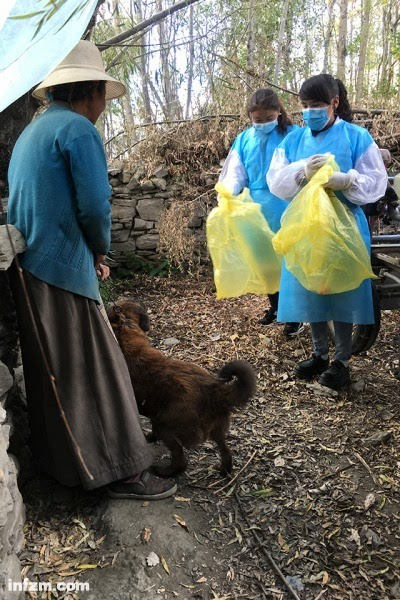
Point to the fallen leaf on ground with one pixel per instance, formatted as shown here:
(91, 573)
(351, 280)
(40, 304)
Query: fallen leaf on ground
(152, 560)
(165, 566)
(145, 535)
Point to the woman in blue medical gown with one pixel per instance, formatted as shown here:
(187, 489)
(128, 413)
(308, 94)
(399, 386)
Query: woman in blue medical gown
(362, 179)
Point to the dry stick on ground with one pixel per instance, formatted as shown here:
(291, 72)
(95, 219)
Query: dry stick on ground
(43, 354)
(238, 473)
(322, 592)
(265, 551)
(367, 467)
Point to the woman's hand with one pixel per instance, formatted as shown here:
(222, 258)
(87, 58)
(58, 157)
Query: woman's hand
(103, 272)
(339, 181)
(314, 163)
(101, 269)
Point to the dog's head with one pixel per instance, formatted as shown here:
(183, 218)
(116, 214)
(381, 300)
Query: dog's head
(126, 312)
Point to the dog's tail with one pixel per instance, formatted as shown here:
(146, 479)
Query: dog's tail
(244, 384)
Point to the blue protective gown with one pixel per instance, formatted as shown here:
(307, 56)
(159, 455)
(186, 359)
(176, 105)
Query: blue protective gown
(247, 166)
(349, 144)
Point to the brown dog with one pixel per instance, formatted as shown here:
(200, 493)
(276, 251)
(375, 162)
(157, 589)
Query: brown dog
(186, 405)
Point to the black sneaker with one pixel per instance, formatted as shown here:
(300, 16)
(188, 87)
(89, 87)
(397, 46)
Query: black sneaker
(306, 369)
(145, 486)
(336, 377)
(292, 329)
(269, 317)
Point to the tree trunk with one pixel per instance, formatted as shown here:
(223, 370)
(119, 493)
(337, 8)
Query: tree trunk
(280, 41)
(13, 121)
(191, 64)
(363, 48)
(342, 41)
(171, 100)
(159, 100)
(144, 69)
(287, 69)
(328, 37)
(250, 40)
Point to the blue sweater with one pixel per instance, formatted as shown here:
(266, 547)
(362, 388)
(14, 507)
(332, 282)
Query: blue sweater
(59, 195)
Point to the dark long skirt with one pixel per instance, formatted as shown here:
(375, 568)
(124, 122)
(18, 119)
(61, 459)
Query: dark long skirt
(93, 384)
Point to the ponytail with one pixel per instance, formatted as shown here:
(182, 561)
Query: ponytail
(284, 121)
(343, 110)
(324, 88)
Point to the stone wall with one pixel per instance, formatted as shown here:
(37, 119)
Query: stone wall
(12, 514)
(138, 204)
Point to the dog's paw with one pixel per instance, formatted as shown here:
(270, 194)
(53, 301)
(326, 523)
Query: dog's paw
(168, 470)
(226, 469)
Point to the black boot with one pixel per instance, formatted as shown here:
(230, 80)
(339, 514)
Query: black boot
(269, 317)
(306, 369)
(336, 377)
(293, 329)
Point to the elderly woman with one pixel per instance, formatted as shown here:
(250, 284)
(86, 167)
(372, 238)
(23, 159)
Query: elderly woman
(59, 195)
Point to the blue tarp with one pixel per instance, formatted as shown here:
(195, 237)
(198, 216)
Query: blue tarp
(35, 36)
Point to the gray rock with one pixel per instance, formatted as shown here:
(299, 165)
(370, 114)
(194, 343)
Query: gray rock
(372, 538)
(128, 246)
(121, 190)
(358, 386)
(114, 182)
(150, 210)
(20, 382)
(122, 213)
(134, 184)
(10, 568)
(122, 235)
(295, 582)
(148, 185)
(6, 379)
(6, 251)
(385, 415)
(321, 390)
(139, 173)
(378, 438)
(159, 183)
(125, 176)
(160, 172)
(140, 224)
(170, 341)
(126, 200)
(147, 242)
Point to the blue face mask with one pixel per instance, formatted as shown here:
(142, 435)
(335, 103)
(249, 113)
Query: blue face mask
(265, 127)
(316, 118)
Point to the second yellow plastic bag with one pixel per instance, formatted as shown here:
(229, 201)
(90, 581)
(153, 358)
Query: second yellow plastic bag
(320, 241)
(240, 244)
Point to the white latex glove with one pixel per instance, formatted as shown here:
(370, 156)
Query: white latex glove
(314, 163)
(339, 181)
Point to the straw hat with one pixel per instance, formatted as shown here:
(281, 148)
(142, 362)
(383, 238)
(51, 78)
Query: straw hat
(83, 63)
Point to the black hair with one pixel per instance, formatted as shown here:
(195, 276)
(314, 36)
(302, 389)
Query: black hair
(79, 90)
(323, 88)
(266, 98)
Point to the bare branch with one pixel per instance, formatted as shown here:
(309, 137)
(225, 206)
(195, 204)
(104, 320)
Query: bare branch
(146, 23)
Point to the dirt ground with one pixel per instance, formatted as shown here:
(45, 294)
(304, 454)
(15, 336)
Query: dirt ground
(311, 493)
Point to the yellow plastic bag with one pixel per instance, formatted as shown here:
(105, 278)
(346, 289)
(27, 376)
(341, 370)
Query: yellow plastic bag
(240, 243)
(320, 240)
